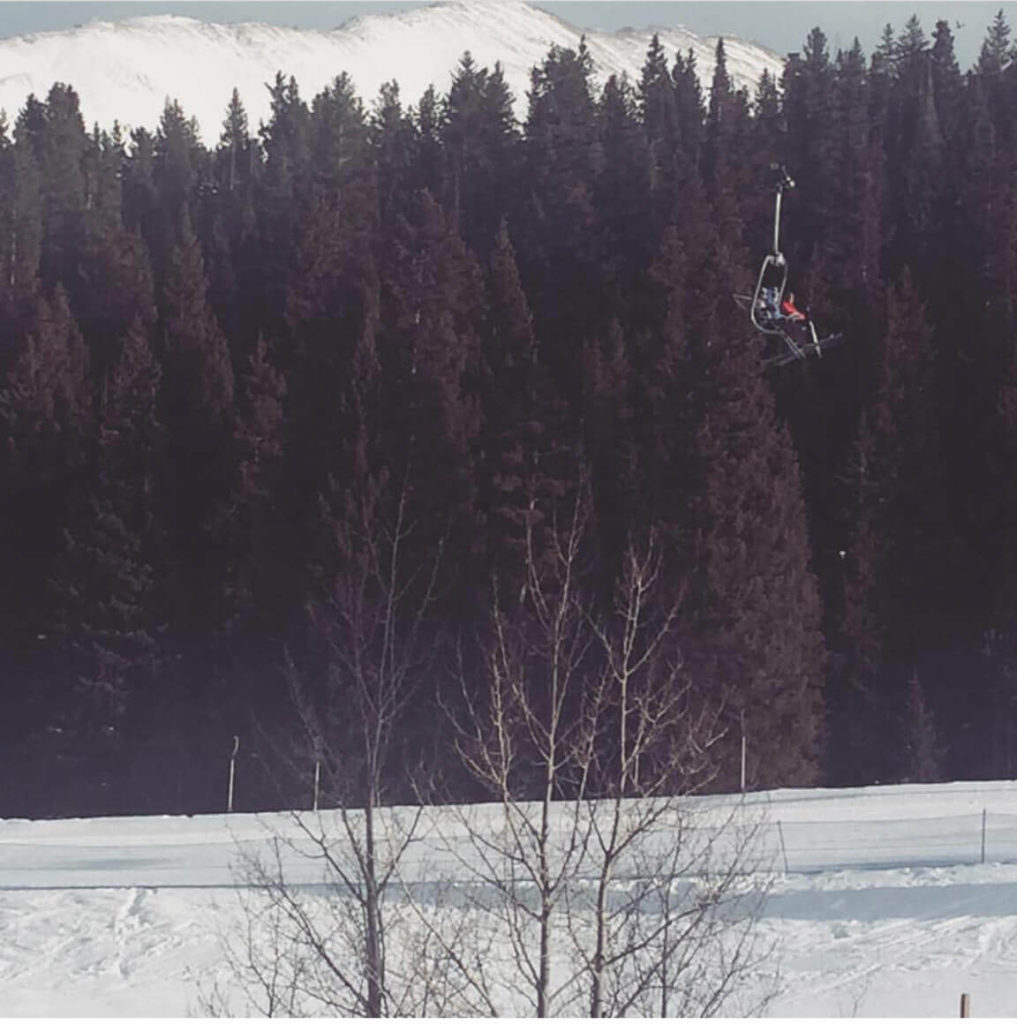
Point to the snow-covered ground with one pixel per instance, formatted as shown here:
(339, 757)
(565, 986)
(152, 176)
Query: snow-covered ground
(880, 904)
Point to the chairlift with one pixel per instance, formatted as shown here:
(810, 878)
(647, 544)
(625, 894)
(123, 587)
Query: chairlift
(766, 305)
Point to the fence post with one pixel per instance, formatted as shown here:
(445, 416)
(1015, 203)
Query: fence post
(233, 767)
(783, 848)
(743, 752)
(965, 1007)
(985, 814)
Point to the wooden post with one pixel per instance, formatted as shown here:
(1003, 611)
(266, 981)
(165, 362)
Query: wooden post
(233, 768)
(317, 782)
(965, 1008)
(743, 752)
(985, 814)
(783, 848)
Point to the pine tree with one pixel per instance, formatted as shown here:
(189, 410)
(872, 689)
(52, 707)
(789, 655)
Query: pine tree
(337, 137)
(140, 205)
(518, 452)
(946, 79)
(557, 248)
(973, 332)
(625, 226)
(282, 197)
(725, 141)
(258, 438)
(132, 436)
(197, 408)
(853, 241)
(608, 445)
(230, 231)
(63, 145)
(756, 600)
(808, 104)
(430, 168)
(113, 289)
(763, 147)
(481, 143)
(331, 319)
(995, 54)
(23, 244)
(754, 613)
(691, 111)
(899, 599)
(915, 154)
(175, 162)
(396, 145)
(102, 166)
(921, 751)
(236, 157)
(658, 109)
(428, 347)
(45, 418)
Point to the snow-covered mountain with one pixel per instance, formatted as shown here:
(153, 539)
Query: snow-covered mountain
(126, 70)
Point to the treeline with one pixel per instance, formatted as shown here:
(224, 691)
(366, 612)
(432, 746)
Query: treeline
(432, 323)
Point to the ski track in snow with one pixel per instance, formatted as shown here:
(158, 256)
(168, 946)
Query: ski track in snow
(84, 930)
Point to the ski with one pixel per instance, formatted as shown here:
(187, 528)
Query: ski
(817, 348)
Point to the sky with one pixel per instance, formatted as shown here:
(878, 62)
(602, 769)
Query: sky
(780, 25)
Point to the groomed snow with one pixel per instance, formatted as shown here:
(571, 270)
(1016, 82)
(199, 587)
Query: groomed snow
(126, 70)
(886, 909)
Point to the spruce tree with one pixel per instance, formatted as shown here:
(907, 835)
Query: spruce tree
(625, 225)
(258, 440)
(808, 104)
(519, 449)
(556, 240)
(282, 197)
(230, 231)
(105, 602)
(45, 418)
(23, 245)
(479, 136)
(396, 149)
(175, 164)
(724, 143)
(337, 135)
(903, 549)
(63, 146)
(331, 318)
(197, 408)
(753, 608)
(428, 347)
(996, 53)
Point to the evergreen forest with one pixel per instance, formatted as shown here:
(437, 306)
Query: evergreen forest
(441, 325)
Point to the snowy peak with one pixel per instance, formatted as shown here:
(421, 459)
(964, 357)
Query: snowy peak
(126, 70)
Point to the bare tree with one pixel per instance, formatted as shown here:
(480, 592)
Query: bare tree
(593, 885)
(591, 737)
(327, 918)
(515, 737)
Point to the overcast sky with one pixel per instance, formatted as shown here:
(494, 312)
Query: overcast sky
(779, 24)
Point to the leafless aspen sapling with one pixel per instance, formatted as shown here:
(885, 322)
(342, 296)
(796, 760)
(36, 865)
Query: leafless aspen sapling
(330, 929)
(589, 737)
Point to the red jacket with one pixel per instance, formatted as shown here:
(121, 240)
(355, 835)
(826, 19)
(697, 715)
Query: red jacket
(791, 311)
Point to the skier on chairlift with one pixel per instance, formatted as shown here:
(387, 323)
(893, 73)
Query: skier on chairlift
(772, 308)
(790, 310)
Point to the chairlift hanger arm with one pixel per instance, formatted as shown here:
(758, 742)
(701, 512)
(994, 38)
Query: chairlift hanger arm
(784, 180)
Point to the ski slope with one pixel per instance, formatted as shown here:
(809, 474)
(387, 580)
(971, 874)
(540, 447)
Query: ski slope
(880, 904)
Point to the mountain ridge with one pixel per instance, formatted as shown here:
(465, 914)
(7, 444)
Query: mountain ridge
(126, 70)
